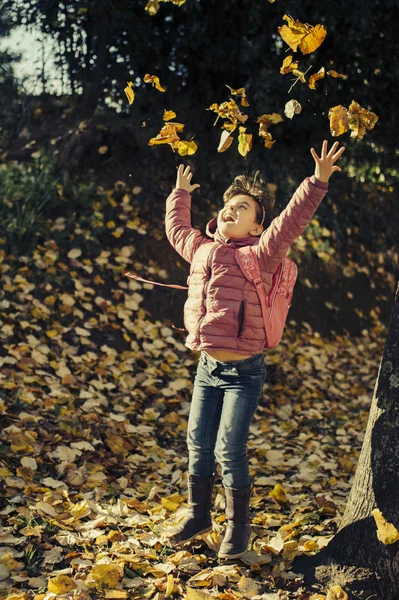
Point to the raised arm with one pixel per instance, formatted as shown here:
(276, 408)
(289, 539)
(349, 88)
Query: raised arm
(276, 240)
(184, 238)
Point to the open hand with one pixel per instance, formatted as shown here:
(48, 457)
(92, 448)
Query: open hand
(324, 164)
(184, 178)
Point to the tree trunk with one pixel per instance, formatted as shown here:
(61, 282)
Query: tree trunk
(93, 86)
(355, 558)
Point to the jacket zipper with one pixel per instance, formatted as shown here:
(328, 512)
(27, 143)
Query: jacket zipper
(206, 289)
(275, 291)
(241, 318)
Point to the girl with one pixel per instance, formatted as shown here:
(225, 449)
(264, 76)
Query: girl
(224, 321)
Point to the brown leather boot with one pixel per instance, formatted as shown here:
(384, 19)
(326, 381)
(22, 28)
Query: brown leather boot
(198, 518)
(238, 530)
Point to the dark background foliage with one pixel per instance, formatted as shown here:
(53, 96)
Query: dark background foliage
(197, 49)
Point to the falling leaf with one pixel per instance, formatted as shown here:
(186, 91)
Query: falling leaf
(129, 91)
(185, 148)
(168, 115)
(386, 532)
(241, 93)
(315, 77)
(152, 7)
(225, 141)
(168, 135)
(333, 73)
(265, 121)
(244, 141)
(307, 37)
(292, 108)
(356, 118)
(229, 110)
(102, 149)
(154, 80)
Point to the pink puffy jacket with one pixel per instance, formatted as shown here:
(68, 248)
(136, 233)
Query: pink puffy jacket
(223, 310)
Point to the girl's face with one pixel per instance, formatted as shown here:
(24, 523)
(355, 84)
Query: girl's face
(237, 219)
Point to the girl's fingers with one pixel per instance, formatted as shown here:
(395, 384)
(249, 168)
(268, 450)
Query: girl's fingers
(338, 154)
(324, 149)
(314, 154)
(333, 149)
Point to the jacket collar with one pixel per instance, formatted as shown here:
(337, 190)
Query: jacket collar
(213, 232)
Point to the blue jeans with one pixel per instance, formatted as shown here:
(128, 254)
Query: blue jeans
(225, 398)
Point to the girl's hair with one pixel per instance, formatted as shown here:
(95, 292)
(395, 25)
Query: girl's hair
(244, 185)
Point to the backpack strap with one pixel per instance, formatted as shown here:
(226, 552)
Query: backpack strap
(178, 287)
(249, 264)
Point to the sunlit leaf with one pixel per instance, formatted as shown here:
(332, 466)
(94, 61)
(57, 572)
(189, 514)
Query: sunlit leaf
(307, 37)
(225, 141)
(333, 73)
(185, 148)
(315, 77)
(168, 115)
(386, 532)
(241, 93)
(292, 108)
(244, 142)
(154, 80)
(129, 91)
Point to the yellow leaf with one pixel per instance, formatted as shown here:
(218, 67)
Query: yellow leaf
(386, 532)
(168, 115)
(172, 502)
(51, 333)
(102, 149)
(339, 120)
(50, 300)
(61, 584)
(129, 92)
(278, 494)
(170, 586)
(106, 575)
(240, 92)
(310, 545)
(315, 77)
(336, 593)
(111, 224)
(288, 66)
(302, 35)
(116, 594)
(154, 80)
(185, 148)
(152, 7)
(244, 141)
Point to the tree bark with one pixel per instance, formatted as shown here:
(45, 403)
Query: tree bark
(356, 559)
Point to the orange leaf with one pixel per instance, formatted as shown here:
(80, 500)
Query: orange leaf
(129, 91)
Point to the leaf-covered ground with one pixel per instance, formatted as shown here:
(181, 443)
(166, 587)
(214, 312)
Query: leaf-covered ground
(94, 405)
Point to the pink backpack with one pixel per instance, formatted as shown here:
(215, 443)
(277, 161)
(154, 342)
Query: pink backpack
(275, 305)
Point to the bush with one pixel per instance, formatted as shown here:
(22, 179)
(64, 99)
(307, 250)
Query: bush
(34, 195)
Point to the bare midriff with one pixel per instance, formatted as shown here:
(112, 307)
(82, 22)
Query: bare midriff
(225, 355)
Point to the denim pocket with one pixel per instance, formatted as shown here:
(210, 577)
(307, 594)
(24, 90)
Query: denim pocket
(254, 368)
